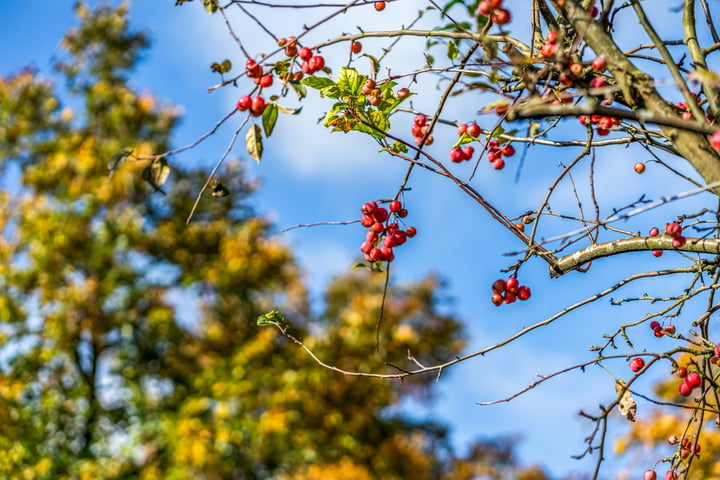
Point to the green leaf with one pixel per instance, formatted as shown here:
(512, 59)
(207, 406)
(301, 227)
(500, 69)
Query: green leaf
(211, 6)
(317, 83)
(360, 266)
(299, 88)
(272, 317)
(156, 174)
(399, 147)
(222, 67)
(117, 160)
(253, 142)
(332, 91)
(452, 50)
(349, 81)
(269, 118)
(289, 111)
(381, 121)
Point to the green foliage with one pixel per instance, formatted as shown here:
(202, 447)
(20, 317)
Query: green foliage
(102, 377)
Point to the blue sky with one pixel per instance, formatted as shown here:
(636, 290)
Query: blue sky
(311, 176)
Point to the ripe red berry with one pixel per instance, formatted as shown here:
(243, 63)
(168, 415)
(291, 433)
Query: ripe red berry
(244, 103)
(356, 47)
(403, 93)
(654, 325)
(598, 64)
(685, 389)
(551, 37)
(305, 53)
(639, 167)
(266, 81)
(380, 214)
(496, 299)
(548, 50)
(403, 213)
(649, 475)
(316, 63)
(715, 141)
(637, 364)
(693, 379)
(498, 286)
(395, 206)
(657, 253)
(501, 16)
(456, 155)
(368, 207)
(420, 120)
(512, 284)
(673, 229)
(669, 330)
(670, 475)
(509, 297)
(468, 152)
(379, 6)
(679, 242)
(473, 130)
(681, 372)
(654, 232)
(410, 232)
(523, 292)
(508, 150)
(499, 164)
(484, 8)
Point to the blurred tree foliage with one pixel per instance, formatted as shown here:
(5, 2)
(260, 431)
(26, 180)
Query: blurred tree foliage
(129, 340)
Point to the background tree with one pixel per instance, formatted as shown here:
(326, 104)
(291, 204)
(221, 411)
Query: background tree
(130, 344)
(570, 81)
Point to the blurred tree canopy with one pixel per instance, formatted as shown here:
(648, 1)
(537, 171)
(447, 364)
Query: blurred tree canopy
(130, 347)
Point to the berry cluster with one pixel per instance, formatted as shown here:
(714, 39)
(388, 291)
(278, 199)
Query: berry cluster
(550, 46)
(458, 154)
(496, 152)
(254, 70)
(691, 381)
(659, 331)
(419, 129)
(674, 230)
(256, 105)
(494, 10)
(311, 63)
(604, 124)
(382, 236)
(508, 291)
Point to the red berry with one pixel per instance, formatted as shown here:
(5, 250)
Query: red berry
(693, 379)
(456, 155)
(403, 93)
(244, 103)
(468, 152)
(637, 364)
(658, 332)
(461, 129)
(679, 242)
(258, 106)
(598, 64)
(316, 63)
(395, 206)
(670, 330)
(715, 141)
(673, 229)
(512, 284)
(473, 130)
(681, 372)
(356, 47)
(501, 17)
(368, 207)
(403, 213)
(484, 8)
(266, 81)
(410, 232)
(305, 53)
(498, 286)
(639, 167)
(367, 221)
(420, 120)
(657, 253)
(548, 50)
(508, 150)
(685, 389)
(649, 475)
(551, 37)
(654, 232)
(379, 6)
(380, 214)
(497, 299)
(654, 325)
(670, 475)
(499, 164)
(523, 292)
(509, 297)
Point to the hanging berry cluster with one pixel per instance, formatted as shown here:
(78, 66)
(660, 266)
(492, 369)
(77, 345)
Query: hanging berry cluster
(496, 152)
(419, 129)
(256, 105)
(383, 235)
(508, 291)
(494, 10)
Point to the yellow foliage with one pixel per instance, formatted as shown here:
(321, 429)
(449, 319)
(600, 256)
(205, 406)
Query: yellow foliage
(345, 469)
